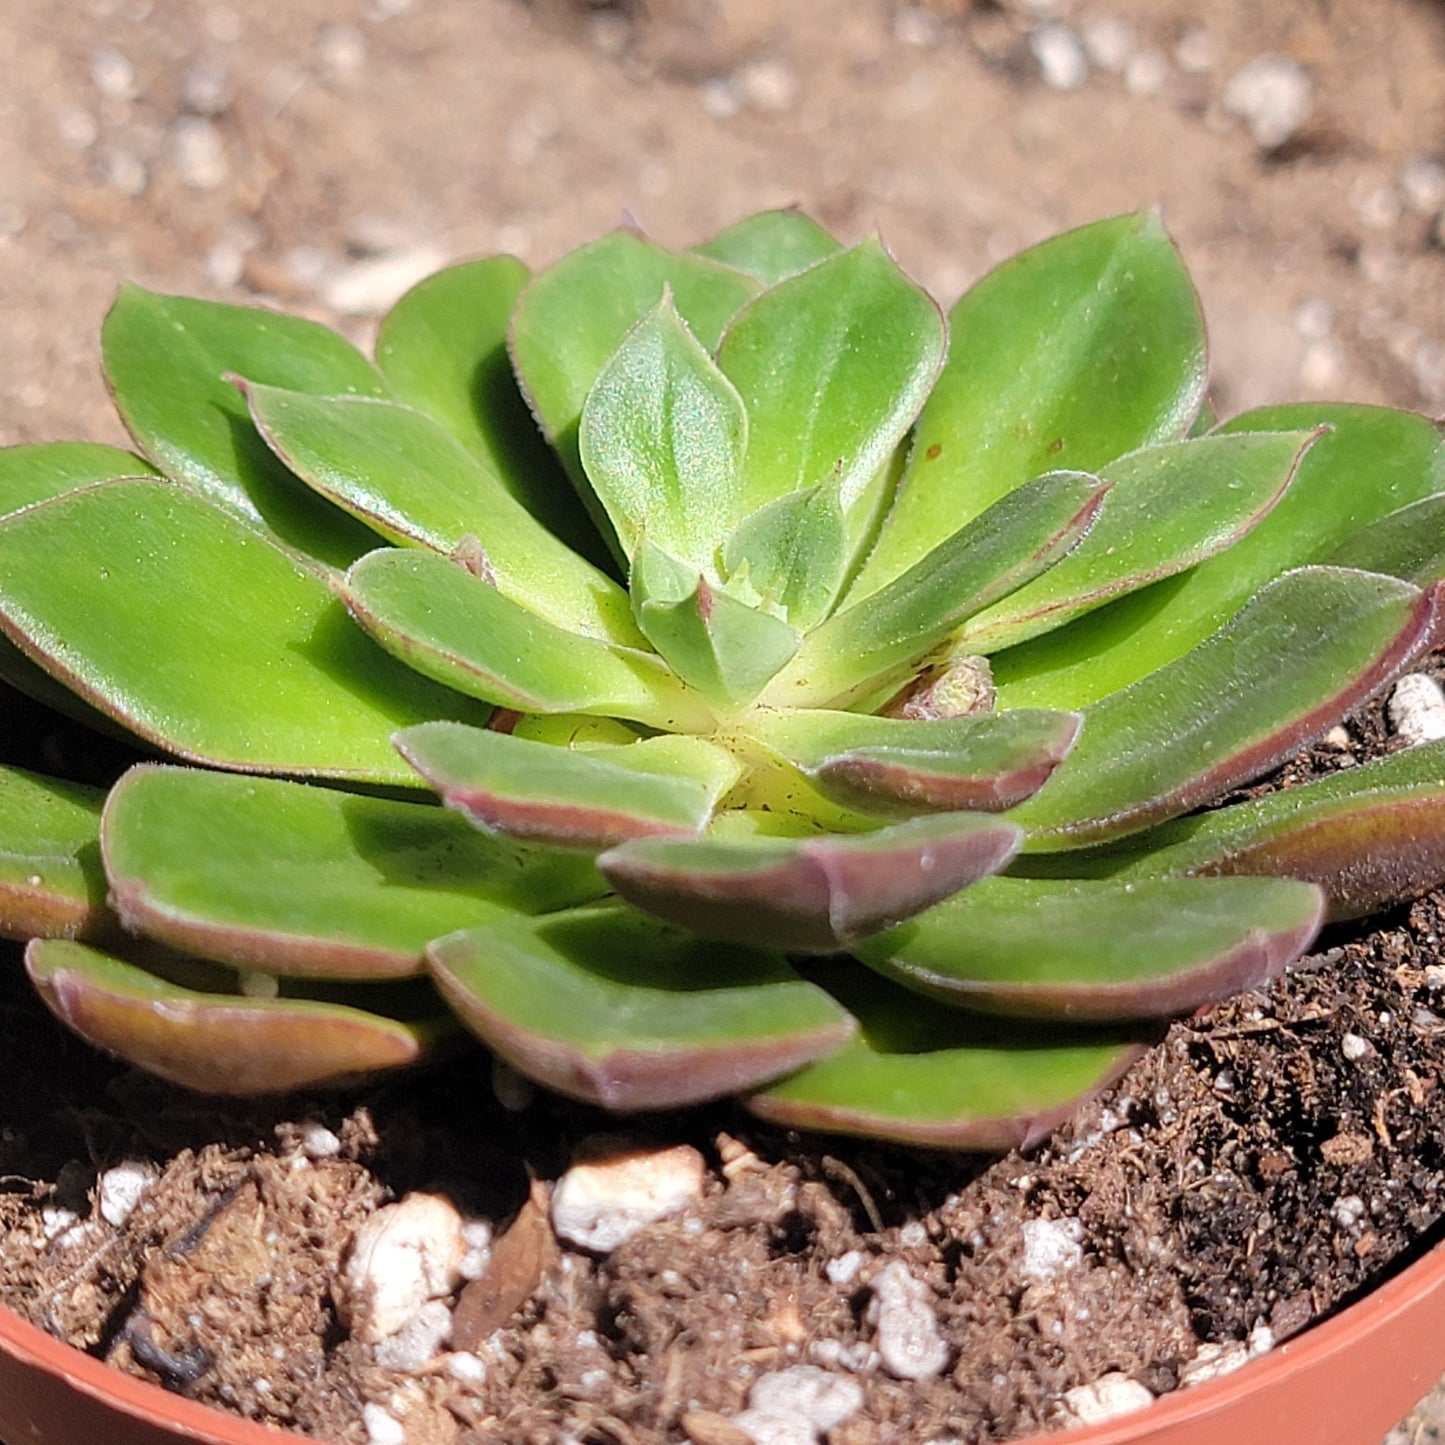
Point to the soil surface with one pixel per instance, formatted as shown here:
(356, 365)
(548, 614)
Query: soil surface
(325, 154)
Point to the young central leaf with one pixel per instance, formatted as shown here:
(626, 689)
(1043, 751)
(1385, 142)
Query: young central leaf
(662, 440)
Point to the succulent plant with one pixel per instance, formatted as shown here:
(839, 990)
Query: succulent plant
(822, 693)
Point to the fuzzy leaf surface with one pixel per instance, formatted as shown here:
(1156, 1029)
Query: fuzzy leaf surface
(833, 365)
(167, 359)
(662, 439)
(882, 765)
(793, 553)
(942, 1078)
(51, 881)
(571, 797)
(163, 610)
(449, 625)
(874, 642)
(1099, 951)
(609, 1006)
(1311, 647)
(33, 474)
(771, 246)
(408, 479)
(1064, 358)
(1169, 507)
(218, 1043)
(1371, 463)
(1408, 543)
(312, 882)
(816, 894)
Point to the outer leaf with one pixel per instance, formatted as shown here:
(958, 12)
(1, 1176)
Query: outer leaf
(217, 1043)
(942, 1078)
(1311, 647)
(590, 798)
(1071, 354)
(814, 894)
(1370, 836)
(833, 365)
(443, 349)
(725, 649)
(1409, 543)
(1100, 950)
(162, 609)
(771, 246)
(1170, 507)
(51, 881)
(793, 552)
(1373, 462)
(37, 473)
(408, 479)
(988, 761)
(662, 439)
(572, 317)
(167, 358)
(307, 881)
(873, 644)
(609, 1006)
(444, 622)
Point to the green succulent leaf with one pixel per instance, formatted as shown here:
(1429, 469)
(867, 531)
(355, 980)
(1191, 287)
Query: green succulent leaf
(437, 617)
(793, 553)
(311, 882)
(1408, 543)
(408, 479)
(36, 473)
(662, 439)
(225, 1043)
(722, 647)
(1371, 463)
(771, 246)
(943, 1078)
(833, 365)
(876, 643)
(1168, 509)
(443, 350)
(1071, 354)
(607, 1005)
(51, 881)
(813, 895)
(571, 318)
(1370, 836)
(897, 766)
(1100, 951)
(188, 626)
(167, 359)
(1311, 647)
(572, 797)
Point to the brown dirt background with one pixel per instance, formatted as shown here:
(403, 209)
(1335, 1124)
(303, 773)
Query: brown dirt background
(322, 153)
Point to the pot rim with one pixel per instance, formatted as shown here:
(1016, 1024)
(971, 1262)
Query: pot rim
(1315, 1347)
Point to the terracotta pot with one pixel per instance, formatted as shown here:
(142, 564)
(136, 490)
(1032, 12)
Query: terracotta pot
(1343, 1383)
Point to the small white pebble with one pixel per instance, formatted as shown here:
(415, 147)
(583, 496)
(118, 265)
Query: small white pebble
(1338, 738)
(1061, 58)
(419, 1341)
(721, 98)
(478, 1235)
(843, 1269)
(1107, 1398)
(76, 127)
(318, 1142)
(342, 49)
(1211, 1362)
(125, 173)
(112, 74)
(1417, 709)
(55, 1221)
(1273, 95)
(769, 85)
(1260, 1341)
(1422, 184)
(798, 1405)
(1435, 977)
(1354, 1048)
(381, 1428)
(913, 1234)
(908, 1338)
(373, 286)
(1147, 73)
(1314, 318)
(600, 1203)
(1109, 41)
(1051, 1246)
(1197, 52)
(199, 152)
(1348, 1210)
(470, 1369)
(119, 1190)
(206, 90)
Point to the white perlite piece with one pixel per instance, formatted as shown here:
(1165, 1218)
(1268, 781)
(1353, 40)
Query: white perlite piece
(1273, 96)
(1417, 709)
(599, 1205)
(1063, 62)
(1107, 1398)
(120, 1190)
(797, 1406)
(370, 287)
(419, 1341)
(1211, 1362)
(1051, 1246)
(403, 1256)
(381, 1428)
(908, 1338)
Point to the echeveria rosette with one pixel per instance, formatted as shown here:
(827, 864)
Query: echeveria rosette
(822, 692)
